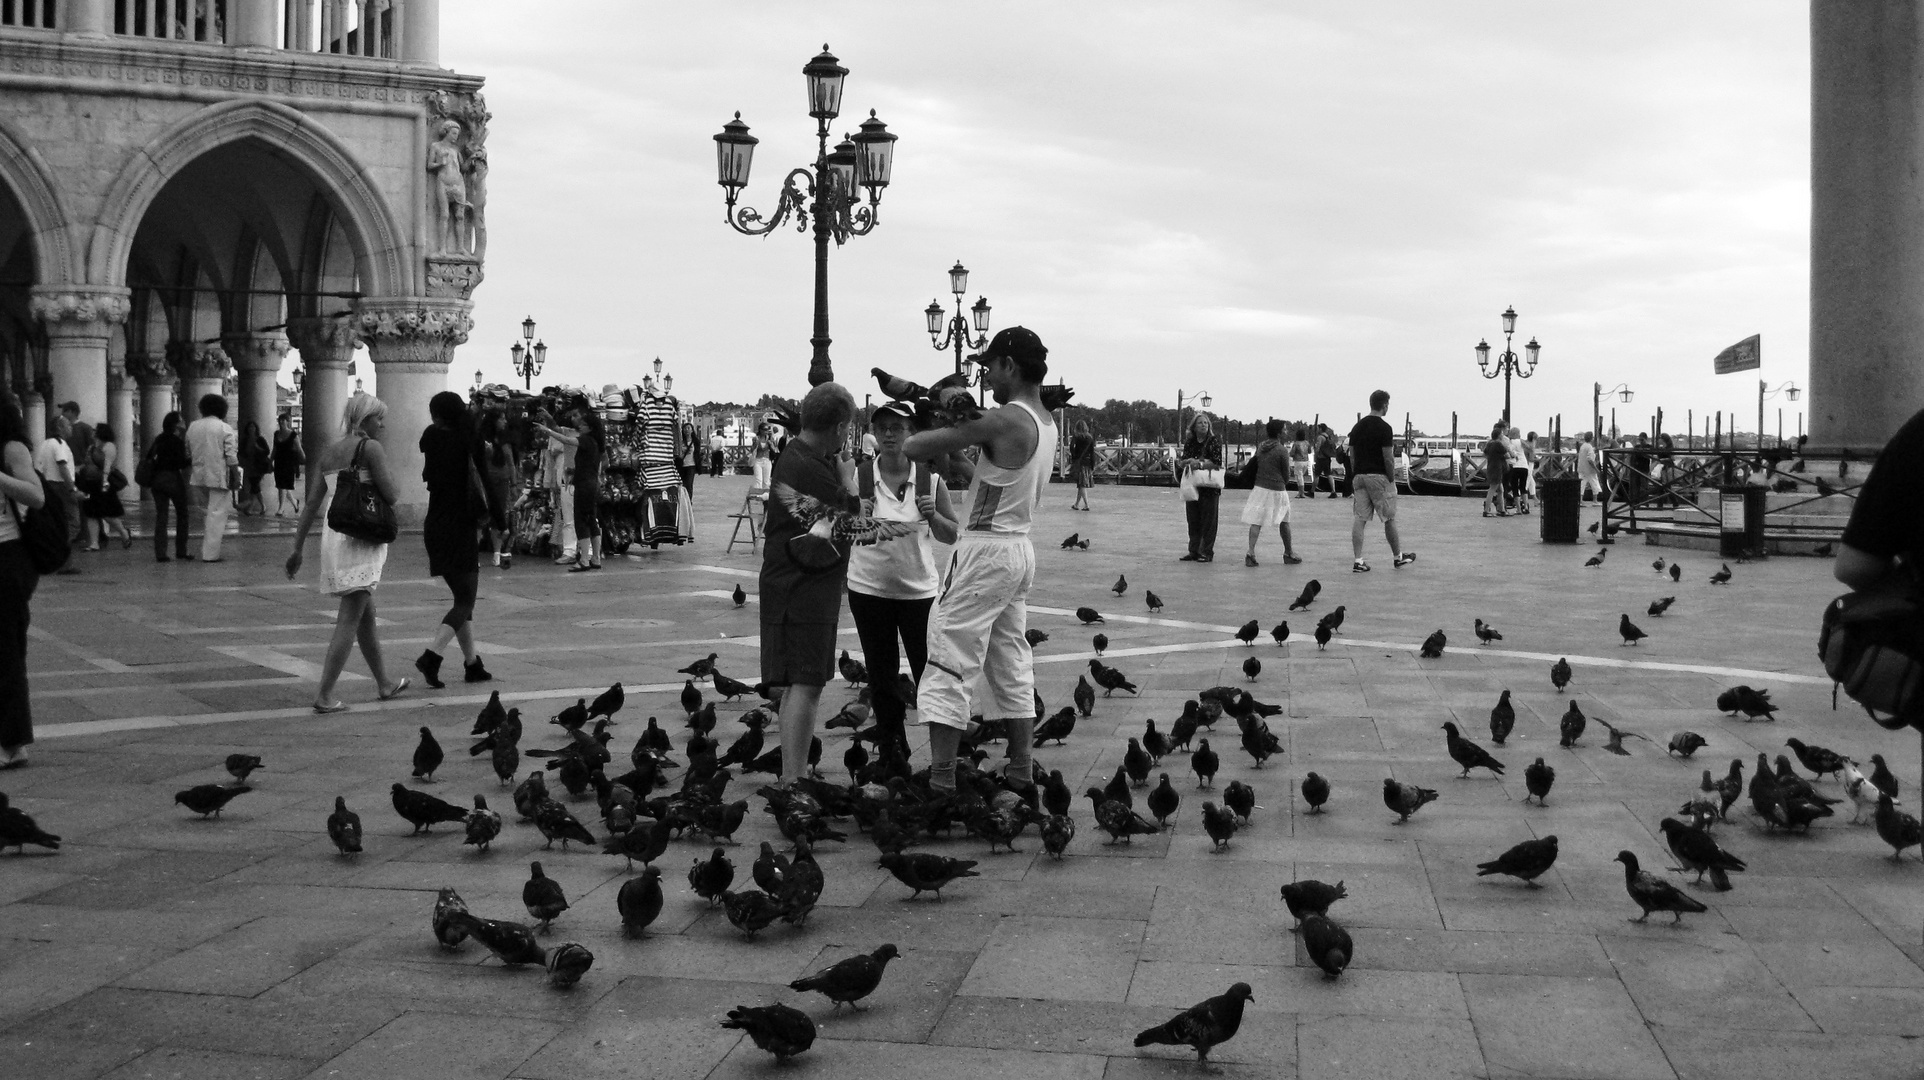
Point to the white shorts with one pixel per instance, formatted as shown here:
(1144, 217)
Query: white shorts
(1266, 507)
(978, 628)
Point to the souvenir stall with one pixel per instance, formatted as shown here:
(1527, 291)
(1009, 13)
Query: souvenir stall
(642, 501)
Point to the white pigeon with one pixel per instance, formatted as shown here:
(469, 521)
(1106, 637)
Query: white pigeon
(1863, 793)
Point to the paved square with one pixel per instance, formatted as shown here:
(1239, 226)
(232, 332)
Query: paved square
(159, 944)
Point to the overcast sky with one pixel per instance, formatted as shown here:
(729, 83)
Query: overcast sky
(1285, 204)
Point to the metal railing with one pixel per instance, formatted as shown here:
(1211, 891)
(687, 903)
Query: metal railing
(1642, 487)
(37, 14)
(172, 20)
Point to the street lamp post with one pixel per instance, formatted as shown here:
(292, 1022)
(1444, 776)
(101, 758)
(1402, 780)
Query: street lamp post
(1765, 390)
(1596, 406)
(1507, 364)
(1202, 398)
(958, 334)
(666, 382)
(863, 160)
(528, 354)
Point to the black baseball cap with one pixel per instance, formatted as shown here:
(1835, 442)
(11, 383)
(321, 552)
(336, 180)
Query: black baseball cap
(1016, 343)
(894, 408)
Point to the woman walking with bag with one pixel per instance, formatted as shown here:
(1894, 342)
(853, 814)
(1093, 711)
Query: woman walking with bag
(892, 586)
(1082, 463)
(350, 565)
(104, 514)
(459, 495)
(20, 485)
(286, 458)
(1269, 498)
(1202, 487)
(170, 468)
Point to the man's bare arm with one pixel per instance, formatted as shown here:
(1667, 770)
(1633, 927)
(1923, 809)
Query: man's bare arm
(982, 431)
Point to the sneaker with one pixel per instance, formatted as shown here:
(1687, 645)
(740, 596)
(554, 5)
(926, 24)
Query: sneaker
(566, 560)
(1192, 557)
(1359, 567)
(1404, 559)
(507, 562)
(1249, 560)
(1291, 560)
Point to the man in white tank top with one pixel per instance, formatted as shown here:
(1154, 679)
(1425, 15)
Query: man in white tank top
(981, 617)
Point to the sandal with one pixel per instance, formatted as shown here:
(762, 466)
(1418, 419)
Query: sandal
(399, 688)
(323, 710)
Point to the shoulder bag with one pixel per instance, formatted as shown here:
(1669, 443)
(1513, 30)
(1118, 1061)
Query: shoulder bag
(144, 469)
(45, 531)
(1872, 646)
(358, 509)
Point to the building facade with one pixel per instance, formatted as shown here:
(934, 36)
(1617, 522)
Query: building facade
(191, 190)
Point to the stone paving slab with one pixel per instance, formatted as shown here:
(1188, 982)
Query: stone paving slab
(157, 944)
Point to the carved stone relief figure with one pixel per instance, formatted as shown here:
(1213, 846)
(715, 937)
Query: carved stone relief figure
(448, 190)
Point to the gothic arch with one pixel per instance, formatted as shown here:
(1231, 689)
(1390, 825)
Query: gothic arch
(378, 242)
(26, 175)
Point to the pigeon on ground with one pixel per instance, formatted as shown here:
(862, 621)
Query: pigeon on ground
(1730, 788)
(567, 963)
(1311, 897)
(1084, 696)
(491, 714)
(851, 669)
(1897, 828)
(1136, 762)
(1071, 541)
(1057, 831)
(1537, 778)
(1405, 799)
(1817, 759)
(1658, 607)
(1570, 728)
(1034, 637)
(739, 596)
(802, 885)
(1089, 615)
(847, 982)
(1686, 743)
(449, 930)
(1676, 571)
(1121, 586)
(1116, 818)
(1433, 646)
(1163, 801)
(750, 911)
(730, 688)
(1308, 595)
(639, 900)
(529, 794)
(1486, 633)
(1323, 634)
(923, 872)
(205, 799)
(17, 830)
(1468, 754)
(1328, 945)
(427, 757)
(1246, 633)
(1335, 618)
(555, 823)
(1617, 735)
(1252, 667)
(1204, 763)
(690, 697)
(1260, 742)
(1721, 577)
(510, 942)
(1502, 719)
(643, 843)
(1110, 679)
(506, 756)
(1881, 776)
(573, 717)
(483, 824)
(781, 1030)
(1863, 794)
(1629, 631)
(1751, 702)
(1525, 862)
(1695, 850)
(343, 827)
(607, 703)
(1658, 565)
(1204, 1025)
(1240, 798)
(1057, 727)
(1596, 560)
(1796, 786)
(1560, 674)
(1155, 743)
(1118, 788)
(1280, 633)
(700, 669)
(239, 765)
(1652, 893)
(1155, 602)
(1315, 791)
(1101, 643)
(542, 896)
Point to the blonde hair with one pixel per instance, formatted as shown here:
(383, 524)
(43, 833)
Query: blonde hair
(359, 409)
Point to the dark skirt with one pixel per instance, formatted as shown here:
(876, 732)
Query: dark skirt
(102, 504)
(451, 538)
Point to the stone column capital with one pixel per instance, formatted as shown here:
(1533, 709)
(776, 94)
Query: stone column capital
(323, 340)
(150, 369)
(256, 352)
(196, 361)
(416, 333)
(80, 310)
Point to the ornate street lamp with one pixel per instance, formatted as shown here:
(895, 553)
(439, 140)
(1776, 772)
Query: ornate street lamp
(528, 355)
(1764, 390)
(862, 160)
(1597, 391)
(1202, 399)
(1508, 364)
(666, 382)
(958, 334)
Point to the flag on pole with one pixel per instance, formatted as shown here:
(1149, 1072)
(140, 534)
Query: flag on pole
(1746, 355)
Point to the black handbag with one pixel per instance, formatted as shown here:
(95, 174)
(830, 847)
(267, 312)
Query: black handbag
(357, 509)
(46, 532)
(1872, 646)
(144, 469)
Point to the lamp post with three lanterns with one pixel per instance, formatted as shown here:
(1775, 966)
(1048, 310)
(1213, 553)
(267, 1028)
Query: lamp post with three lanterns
(958, 335)
(528, 354)
(861, 160)
(1508, 364)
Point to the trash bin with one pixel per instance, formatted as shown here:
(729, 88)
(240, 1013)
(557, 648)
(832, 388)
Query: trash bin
(1560, 509)
(1741, 534)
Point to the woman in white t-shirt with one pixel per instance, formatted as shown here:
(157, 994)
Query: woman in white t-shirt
(892, 585)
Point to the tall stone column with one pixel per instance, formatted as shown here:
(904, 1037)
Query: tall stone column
(33, 409)
(78, 320)
(156, 378)
(257, 357)
(412, 340)
(326, 347)
(203, 370)
(88, 18)
(421, 33)
(1867, 220)
(120, 413)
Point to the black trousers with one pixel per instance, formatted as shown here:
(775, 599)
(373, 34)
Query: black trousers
(714, 464)
(1202, 521)
(878, 622)
(177, 498)
(17, 582)
(687, 478)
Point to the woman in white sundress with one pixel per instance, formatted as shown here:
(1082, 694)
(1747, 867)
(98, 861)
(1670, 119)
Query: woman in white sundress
(350, 567)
